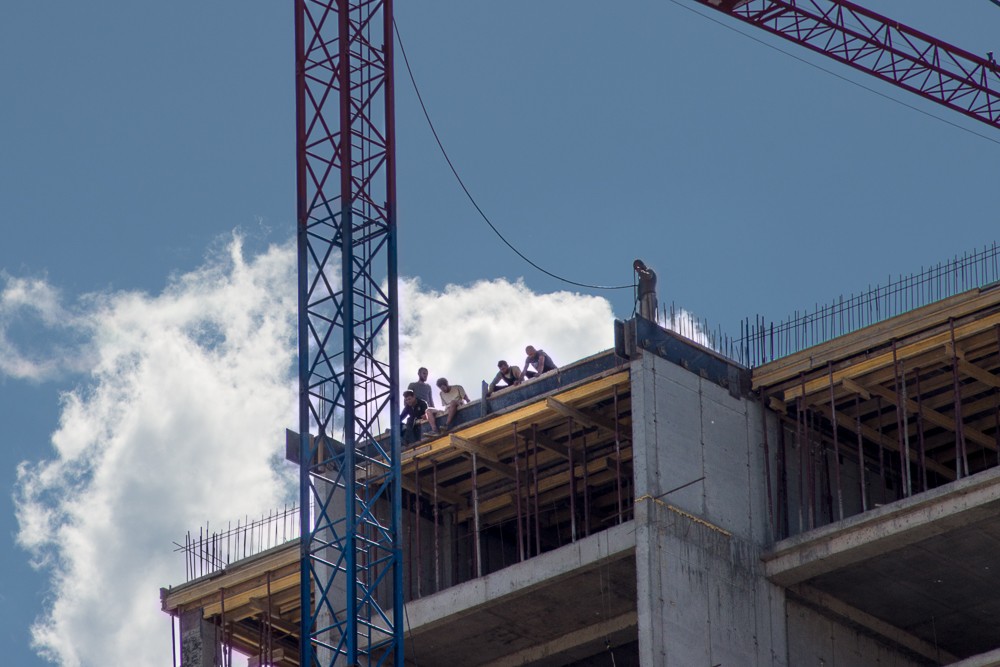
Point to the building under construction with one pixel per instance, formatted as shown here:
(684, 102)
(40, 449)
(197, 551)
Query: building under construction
(663, 503)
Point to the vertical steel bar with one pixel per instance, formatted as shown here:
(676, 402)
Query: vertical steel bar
(836, 446)
(783, 509)
(415, 554)
(437, 531)
(538, 518)
(517, 492)
(475, 514)
(881, 450)
(861, 455)
(811, 470)
(920, 432)
(572, 486)
(767, 465)
(902, 428)
(800, 445)
(586, 485)
(961, 458)
(618, 458)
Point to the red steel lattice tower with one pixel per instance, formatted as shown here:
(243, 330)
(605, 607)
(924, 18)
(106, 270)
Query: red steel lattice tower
(351, 575)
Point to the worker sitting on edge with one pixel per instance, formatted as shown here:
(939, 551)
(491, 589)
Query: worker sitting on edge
(413, 415)
(509, 375)
(540, 360)
(452, 397)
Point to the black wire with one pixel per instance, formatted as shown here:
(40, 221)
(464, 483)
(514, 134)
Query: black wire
(839, 76)
(468, 194)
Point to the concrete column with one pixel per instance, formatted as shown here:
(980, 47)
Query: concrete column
(702, 598)
(199, 640)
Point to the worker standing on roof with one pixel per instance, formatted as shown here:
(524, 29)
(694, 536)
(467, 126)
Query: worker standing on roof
(647, 290)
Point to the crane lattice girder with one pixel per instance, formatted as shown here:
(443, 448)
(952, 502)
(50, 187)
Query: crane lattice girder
(887, 49)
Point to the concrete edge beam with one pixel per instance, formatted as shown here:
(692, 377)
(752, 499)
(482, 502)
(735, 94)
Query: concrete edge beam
(521, 578)
(878, 531)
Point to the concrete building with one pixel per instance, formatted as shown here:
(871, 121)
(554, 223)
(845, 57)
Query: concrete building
(661, 505)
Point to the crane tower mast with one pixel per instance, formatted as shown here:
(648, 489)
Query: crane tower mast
(348, 334)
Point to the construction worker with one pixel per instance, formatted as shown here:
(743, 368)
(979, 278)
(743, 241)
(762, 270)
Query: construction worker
(509, 375)
(647, 290)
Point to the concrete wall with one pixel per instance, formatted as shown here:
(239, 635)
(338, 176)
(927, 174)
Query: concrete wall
(702, 596)
(817, 639)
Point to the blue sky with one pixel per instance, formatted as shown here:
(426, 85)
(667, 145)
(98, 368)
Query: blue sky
(135, 137)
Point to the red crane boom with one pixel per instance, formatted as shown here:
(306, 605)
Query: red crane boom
(882, 47)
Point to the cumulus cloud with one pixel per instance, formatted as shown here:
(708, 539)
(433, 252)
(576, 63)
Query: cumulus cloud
(178, 420)
(460, 333)
(176, 424)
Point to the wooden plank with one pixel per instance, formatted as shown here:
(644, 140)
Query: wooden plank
(428, 493)
(873, 435)
(902, 326)
(974, 371)
(585, 418)
(239, 573)
(484, 456)
(885, 359)
(935, 417)
(525, 414)
(856, 388)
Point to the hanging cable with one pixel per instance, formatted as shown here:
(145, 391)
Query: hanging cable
(468, 194)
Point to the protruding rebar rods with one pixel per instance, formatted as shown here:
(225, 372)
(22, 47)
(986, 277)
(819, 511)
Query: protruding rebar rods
(836, 446)
(475, 515)
(618, 457)
(861, 454)
(517, 492)
(961, 456)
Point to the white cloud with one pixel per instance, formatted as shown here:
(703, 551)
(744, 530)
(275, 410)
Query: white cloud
(183, 409)
(462, 332)
(181, 415)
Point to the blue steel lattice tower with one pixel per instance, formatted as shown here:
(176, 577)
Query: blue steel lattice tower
(351, 583)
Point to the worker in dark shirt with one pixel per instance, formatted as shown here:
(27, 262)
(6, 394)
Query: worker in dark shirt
(647, 290)
(421, 388)
(540, 360)
(509, 375)
(414, 411)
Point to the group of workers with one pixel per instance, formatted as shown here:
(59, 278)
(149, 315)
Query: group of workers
(418, 400)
